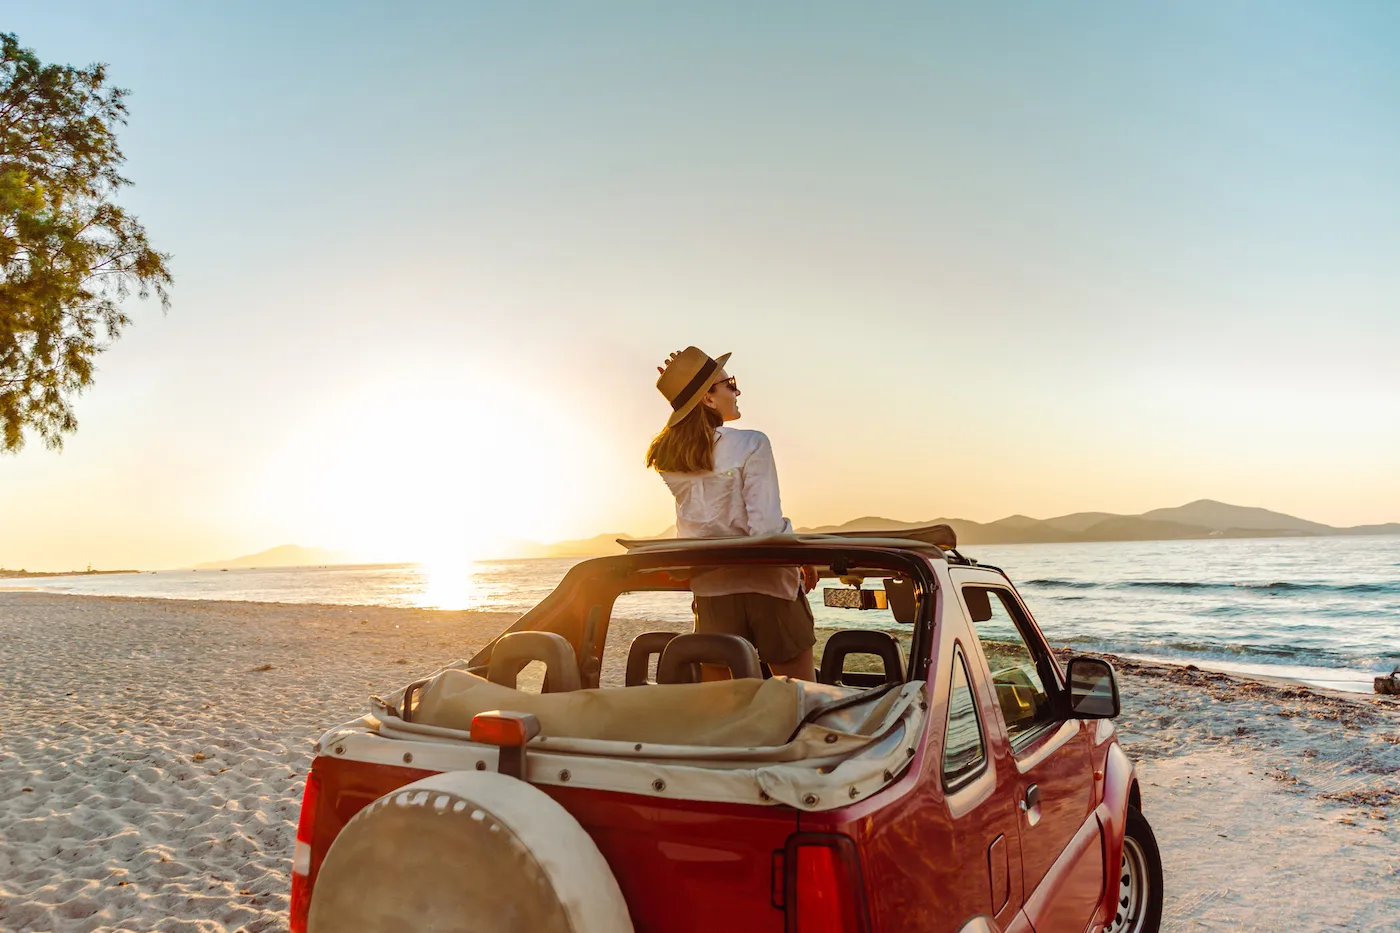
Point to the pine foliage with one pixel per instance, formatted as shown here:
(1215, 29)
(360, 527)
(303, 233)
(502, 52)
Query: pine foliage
(69, 255)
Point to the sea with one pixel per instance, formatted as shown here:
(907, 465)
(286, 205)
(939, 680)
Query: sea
(1324, 611)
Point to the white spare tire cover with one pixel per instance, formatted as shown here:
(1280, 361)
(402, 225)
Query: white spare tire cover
(466, 852)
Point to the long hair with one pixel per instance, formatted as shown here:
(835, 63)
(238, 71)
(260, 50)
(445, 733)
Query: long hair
(687, 446)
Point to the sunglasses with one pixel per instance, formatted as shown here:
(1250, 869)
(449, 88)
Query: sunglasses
(729, 383)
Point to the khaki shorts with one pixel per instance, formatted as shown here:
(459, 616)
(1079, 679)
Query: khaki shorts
(780, 629)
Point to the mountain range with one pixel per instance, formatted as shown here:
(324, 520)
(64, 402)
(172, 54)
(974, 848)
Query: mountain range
(1204, 518)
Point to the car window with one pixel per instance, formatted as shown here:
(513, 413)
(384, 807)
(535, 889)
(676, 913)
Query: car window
(963, 750)
(1020, 689)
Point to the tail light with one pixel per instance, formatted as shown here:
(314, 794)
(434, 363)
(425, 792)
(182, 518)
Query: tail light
(822, 889)
(509, 732)
(301, 855)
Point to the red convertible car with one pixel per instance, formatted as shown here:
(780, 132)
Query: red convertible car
(943, 772)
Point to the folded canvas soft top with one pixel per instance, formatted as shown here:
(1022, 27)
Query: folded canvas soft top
(803, 744)
(728, 713)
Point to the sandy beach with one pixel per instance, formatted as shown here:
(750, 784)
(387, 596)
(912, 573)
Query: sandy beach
(152, 754)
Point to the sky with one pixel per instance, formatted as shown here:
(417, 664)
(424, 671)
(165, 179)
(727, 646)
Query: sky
(971, 260)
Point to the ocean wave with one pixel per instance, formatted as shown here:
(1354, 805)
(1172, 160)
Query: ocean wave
(1262, 654)
(1230, 610)
(1062, 584)
(1279, 586)
(1226, 650)
(1325, 587)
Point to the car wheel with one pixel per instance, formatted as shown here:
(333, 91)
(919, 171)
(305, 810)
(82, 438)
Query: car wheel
(1139, 906)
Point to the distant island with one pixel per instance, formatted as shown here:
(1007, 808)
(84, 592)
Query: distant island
(1204, 518)
(288, 555)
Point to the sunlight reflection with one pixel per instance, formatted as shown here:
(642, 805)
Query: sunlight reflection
(448, 585)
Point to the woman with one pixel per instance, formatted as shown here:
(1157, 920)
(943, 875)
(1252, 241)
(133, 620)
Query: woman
(726, 484)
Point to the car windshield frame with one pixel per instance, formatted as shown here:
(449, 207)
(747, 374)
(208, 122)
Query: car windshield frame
(580, 607)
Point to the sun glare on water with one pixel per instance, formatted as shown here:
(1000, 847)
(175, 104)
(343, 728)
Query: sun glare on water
(448, 585)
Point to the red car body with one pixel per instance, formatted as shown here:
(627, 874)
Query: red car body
(1032, 841)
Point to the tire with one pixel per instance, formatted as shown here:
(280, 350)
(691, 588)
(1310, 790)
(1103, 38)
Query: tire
(466, 852)
(1139, 908)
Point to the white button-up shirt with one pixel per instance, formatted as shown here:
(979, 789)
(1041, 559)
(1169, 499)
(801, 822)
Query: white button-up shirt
(739, 497)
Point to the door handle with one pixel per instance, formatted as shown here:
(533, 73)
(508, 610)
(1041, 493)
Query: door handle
(1032, 797)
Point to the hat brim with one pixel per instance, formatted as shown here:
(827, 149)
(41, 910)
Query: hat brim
(679, 414)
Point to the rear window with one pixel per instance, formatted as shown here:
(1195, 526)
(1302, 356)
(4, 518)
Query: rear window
(963, 750)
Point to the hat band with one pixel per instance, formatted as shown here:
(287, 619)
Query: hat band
(694, 385)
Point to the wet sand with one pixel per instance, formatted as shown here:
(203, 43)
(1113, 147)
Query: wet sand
(152, 754)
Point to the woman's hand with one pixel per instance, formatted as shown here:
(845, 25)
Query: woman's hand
(669, 360)
(809, 578)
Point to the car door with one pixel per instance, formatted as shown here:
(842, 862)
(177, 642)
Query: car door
(979, 796)
(1061, 846)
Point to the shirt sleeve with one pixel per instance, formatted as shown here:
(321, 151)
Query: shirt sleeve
(760, 484)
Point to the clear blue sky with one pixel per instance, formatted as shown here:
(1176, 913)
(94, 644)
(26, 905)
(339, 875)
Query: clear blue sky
(971, 260)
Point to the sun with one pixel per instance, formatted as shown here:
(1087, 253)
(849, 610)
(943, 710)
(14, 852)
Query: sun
(453, 477)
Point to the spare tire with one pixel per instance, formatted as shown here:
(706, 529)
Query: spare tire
(466, 852)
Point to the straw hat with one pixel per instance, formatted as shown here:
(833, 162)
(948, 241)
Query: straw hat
(686, 379)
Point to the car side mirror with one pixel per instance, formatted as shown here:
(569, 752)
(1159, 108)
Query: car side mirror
(1093, 689)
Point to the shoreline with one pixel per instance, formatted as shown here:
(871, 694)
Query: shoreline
(153, 754)
(1312, 677)
(31, 574)
(1364, 680)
